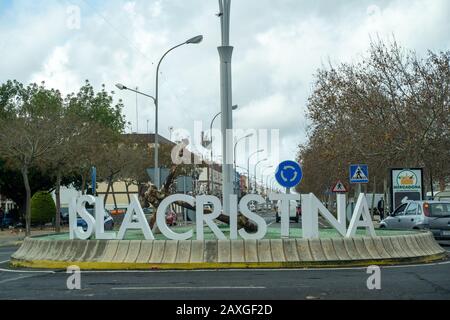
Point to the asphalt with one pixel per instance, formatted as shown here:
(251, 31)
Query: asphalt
(420, 282)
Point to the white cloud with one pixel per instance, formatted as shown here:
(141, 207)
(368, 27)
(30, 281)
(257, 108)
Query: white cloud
(278, 47)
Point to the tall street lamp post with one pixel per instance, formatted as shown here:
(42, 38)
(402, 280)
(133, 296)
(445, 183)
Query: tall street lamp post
(194, 40)
(248, 167)
(235, 157)
(256, 167)
(226, 98)
(262, 176)
(211, 184)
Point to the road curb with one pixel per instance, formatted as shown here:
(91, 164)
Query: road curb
(226, 254)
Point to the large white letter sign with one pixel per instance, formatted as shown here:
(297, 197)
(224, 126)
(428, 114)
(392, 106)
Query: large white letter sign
(79, 208)
(261, 223)
(311, 207)
(233, 217)
(285, 203)
(361, 209)
(100, 221)
(161, 217)
(208, 218)
(135, 213)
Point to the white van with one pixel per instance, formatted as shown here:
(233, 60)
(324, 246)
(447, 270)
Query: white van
(294, 211)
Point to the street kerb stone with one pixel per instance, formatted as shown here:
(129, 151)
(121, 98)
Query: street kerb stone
(133, 251)
(158, 252)
(237, 251)
(389, 247)
(407, 249)
(145, 252)
(382, 252)
(341, 252)
(170, 252)
(89, 251)
(99, 251)
(361, 248)
(264, 252)
(110, 251)
(303, 250)
(400, 252)
(412, 243)
(371, 248)
(224, 251)
(78, 249)
(328, 249)
(184, 252)
(197, 251)
(316, 250)
(122, 251)
(277, 249)
(251, 251)
(290, 250)
(421, 239)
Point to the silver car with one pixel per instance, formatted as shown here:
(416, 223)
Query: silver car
(421, 215)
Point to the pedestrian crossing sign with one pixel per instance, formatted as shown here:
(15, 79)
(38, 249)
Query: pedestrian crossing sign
(339, 187)
(359, 173)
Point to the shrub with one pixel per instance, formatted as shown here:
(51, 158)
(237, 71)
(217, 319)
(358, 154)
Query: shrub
(43, 208)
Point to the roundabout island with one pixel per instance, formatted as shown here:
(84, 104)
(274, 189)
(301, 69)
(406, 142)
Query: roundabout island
(134, 253)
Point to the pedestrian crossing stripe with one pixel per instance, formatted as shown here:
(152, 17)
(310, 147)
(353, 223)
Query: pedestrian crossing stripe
(359, 175)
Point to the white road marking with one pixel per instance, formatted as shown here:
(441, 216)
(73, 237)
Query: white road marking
(2, 262)
(187, 288)
(14, 279)
(25, 271)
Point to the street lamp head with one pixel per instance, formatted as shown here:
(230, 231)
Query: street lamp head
(195, 40)
(249, 135)
(235, 107)
(121, 86)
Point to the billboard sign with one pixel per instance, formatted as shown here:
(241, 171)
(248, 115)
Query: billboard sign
(406, 184)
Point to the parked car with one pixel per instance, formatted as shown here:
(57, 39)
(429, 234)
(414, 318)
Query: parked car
(109, 221)
(421, 215)
(294, 211)
(7, 221)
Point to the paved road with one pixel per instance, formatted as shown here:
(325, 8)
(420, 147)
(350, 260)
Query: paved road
(408, 282)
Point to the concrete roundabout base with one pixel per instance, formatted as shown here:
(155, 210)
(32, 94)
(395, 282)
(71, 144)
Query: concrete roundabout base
(44, 253)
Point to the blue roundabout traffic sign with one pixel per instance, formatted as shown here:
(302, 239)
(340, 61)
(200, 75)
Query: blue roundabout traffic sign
(289, 174)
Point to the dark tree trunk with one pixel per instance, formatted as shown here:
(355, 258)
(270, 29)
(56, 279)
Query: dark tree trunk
(26, 183)
(127, 188)
(108, 189)
(114, 196)
(58, 202)
(83, 183)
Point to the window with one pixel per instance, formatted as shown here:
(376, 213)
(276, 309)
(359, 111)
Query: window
(412, 209)
(440, 209)
(400, 210)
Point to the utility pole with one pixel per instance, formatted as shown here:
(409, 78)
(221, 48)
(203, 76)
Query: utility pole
(226, 97)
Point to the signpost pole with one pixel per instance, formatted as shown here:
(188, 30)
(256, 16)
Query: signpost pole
(184, 209)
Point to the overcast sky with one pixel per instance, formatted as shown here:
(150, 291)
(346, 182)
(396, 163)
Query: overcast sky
(278, 47)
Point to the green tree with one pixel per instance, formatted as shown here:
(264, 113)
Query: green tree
(42, 208)
(26, 130)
